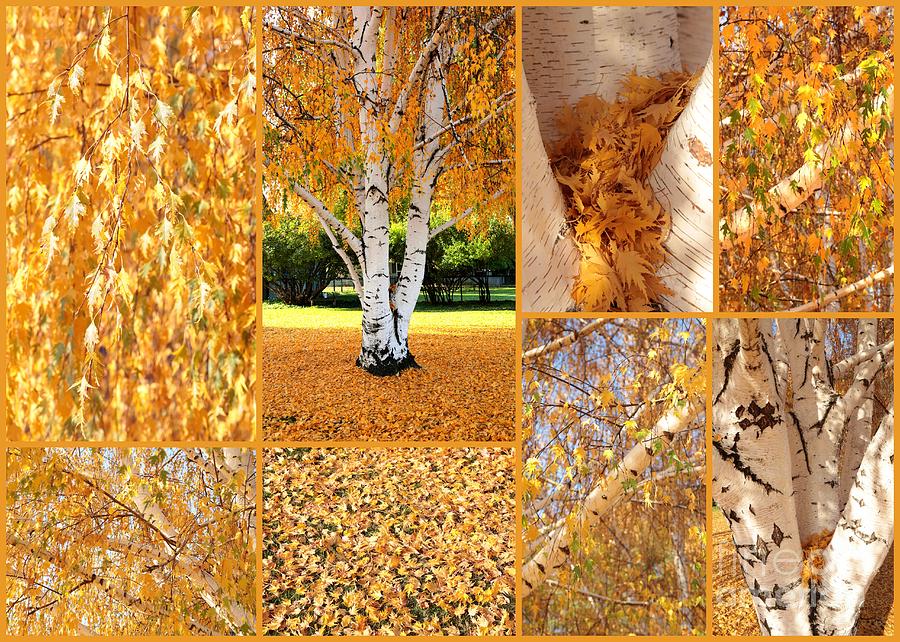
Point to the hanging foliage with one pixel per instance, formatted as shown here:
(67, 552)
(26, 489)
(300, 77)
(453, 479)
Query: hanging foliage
(807, 168)
(131, 291)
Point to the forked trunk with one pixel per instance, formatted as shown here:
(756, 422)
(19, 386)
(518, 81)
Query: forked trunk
(805, 486)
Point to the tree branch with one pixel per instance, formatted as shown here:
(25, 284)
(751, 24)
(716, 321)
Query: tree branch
(862, 284)
(564, 341)
(597, 596)
(287, 33)
(453, 221)
(418, 70)
(842, 367)
(556, 553)
(324, 213)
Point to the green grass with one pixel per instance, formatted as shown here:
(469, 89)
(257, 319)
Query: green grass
(425, 318)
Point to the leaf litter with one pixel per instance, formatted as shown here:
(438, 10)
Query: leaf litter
(389, 541)
(312, 391)
(602, 161)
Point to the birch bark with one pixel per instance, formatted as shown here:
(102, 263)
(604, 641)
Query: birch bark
(806, 488)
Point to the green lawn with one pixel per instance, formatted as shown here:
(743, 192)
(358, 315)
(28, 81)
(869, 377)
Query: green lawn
(425, 318)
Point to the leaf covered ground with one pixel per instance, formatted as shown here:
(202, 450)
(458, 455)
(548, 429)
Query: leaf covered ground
(388, 541)
(464, 391)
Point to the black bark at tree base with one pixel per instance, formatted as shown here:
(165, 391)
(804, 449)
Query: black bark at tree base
(387, 367)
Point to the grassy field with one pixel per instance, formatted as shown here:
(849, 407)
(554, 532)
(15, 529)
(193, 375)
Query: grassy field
(426, 318)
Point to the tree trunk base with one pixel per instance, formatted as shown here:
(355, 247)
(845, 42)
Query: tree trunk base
(386, 366)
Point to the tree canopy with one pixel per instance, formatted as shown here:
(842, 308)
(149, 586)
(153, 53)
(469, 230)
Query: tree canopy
(613, 446)
(143, 541)
(807, 172)
(130, 155)
(312, 105)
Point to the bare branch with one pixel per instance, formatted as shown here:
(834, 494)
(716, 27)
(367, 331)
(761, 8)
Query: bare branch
(842, 367)
(453, 221)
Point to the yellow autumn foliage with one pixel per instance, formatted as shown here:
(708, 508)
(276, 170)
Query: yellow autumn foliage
(131, 274)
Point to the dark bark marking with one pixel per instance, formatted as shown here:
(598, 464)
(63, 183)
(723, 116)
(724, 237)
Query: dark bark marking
(802, 440)
(728, 363)
(778, 536)
(735, 460)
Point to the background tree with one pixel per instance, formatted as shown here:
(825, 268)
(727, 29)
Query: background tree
(131, 288)
(457, 256)
(144, 541)
(298, 261)
(381, 105)
(807, 96)
(803, 429)
(613, 444)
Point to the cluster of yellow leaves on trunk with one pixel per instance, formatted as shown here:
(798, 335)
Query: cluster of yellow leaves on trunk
(807, 172)
(131, 292)
(641, 569)
(130, 542)
(603, 160)
(389, 541)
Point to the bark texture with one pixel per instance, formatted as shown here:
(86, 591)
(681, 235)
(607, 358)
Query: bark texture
(805, 486)
(682, 182)
(550, 257)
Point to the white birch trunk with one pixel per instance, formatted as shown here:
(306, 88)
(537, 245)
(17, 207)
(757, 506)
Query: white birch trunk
(384, 350)
(778, 424)
(752, 477)
(550, 257)
(816, 423)
(682, 182)
(862, 540)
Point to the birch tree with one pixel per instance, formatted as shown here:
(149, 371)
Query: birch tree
(131, 542)
(803, 464)
(613, 450)
(376, 113)
(807, 99)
